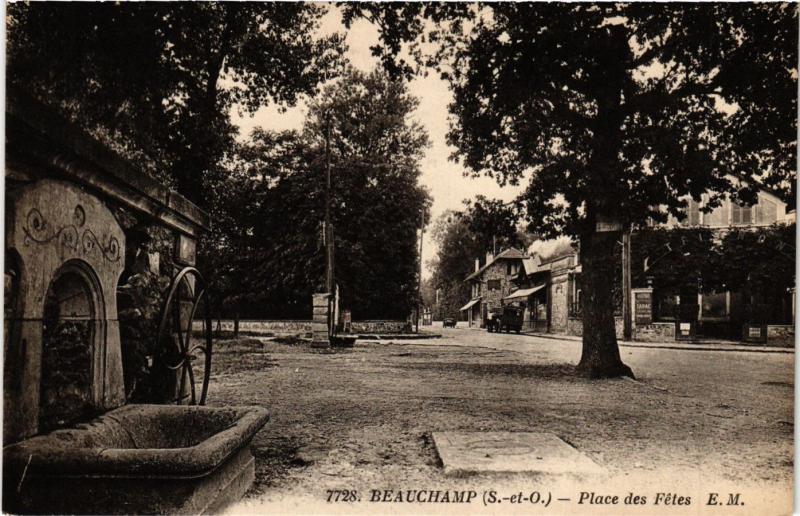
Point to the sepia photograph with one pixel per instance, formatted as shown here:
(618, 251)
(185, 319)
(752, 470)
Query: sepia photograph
(399, 258)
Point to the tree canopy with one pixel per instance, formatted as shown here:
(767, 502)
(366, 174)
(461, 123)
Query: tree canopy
(618, 113)
(647, 106)
(158, 80)
(377, 207)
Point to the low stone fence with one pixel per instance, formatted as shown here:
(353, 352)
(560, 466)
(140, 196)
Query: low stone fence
(780, 335)
(260, 326)
(264, 326)
(653, 332)
(575, 326)
(380, 326)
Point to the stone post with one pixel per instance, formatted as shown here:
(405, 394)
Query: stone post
(319, 323)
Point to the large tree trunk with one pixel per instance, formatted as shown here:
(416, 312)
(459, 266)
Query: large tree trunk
(600, 357)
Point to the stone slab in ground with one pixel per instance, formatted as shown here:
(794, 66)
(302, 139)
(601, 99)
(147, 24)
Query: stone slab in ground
(510, 452)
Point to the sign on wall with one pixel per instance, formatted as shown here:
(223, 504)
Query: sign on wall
(643, 306)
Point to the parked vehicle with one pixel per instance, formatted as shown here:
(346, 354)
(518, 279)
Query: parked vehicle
(449, 322)
(511, 319)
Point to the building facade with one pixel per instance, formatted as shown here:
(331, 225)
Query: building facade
(491, 283)
(719, 314)
(550, 291)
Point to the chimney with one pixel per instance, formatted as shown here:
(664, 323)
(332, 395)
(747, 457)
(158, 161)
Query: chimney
(477, 264)
(489, 257)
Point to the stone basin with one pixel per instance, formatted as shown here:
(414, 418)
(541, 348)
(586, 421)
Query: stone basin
(136, 459)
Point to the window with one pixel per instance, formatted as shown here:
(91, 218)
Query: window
(512, 268)
(718, 217)
(493, 284)
(741, 215)
(693, 213)
(766, 212)
(667, 307)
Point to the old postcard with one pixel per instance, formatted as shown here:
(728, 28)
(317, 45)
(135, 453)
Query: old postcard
(399, 258)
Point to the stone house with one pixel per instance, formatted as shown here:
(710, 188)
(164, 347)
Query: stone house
(491, 283)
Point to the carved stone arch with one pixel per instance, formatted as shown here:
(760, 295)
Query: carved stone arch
(54, 224)
(73, 337)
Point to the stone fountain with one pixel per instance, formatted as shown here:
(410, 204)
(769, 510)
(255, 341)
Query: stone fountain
(71, 444)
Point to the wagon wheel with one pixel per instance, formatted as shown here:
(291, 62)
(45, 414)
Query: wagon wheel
(184, 351)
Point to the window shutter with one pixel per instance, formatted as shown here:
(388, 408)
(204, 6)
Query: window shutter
(694, 213)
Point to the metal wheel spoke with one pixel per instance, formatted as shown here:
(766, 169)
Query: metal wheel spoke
(181, 396)
(181, 346)
(181, 337)
(175, 368)
(191, 381)
(197, 346)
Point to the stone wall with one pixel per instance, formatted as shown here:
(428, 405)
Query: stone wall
(302, 326)
(256, 327)
(494, 298)
(780, 335)
(65, 243)
(76, 207)
(575, 326)
(380, 327)
(654, 332)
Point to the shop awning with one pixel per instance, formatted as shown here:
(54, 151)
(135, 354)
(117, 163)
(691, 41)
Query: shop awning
(469, 305)
(523, 293)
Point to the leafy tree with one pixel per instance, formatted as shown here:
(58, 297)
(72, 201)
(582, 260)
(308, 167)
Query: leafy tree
(755, 263)
(285, 262)
(377, 204)
(678, 261)
(761, 265)
(619, 112)
(159, 79)
(457, 249)
(494, 224)
(223, 253)
(404, 27)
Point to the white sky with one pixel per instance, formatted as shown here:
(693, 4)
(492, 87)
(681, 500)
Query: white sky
(442, 177)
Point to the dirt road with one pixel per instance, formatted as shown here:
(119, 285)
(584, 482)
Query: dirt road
(361, 419)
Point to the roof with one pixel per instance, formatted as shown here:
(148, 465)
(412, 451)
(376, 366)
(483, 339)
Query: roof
(530, 265)
(469, 305)
(558, 257)
(536, 265)
(511, 253)
(523, 293)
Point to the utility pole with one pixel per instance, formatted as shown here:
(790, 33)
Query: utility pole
(329, 288)
(328, 247)
(419, 283)
(626, 285)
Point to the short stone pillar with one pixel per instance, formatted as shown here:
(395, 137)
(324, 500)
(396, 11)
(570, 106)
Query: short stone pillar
(319, 323)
